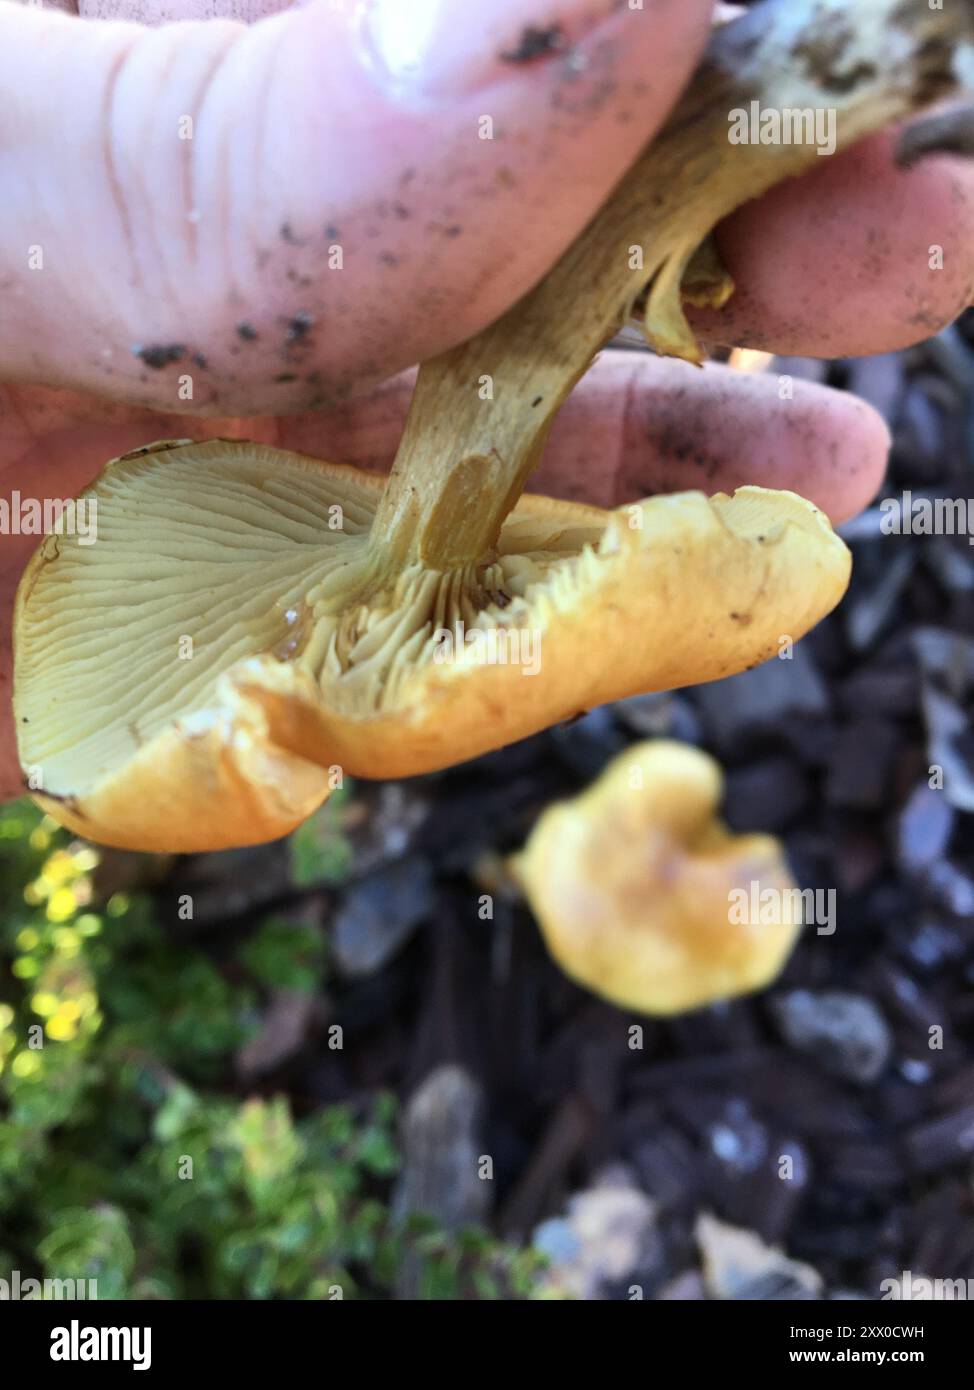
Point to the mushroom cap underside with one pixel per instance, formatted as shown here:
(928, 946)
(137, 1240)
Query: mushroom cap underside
(196, 677)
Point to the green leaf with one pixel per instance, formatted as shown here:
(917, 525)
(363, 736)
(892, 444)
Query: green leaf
(284, 954)
(319, 849)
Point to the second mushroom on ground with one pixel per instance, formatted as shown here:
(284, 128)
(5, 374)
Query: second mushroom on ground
(645, 897)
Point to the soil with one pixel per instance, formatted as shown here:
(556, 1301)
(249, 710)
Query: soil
(536, 43)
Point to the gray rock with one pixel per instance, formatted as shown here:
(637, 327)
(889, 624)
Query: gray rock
(378, 914)
(920, 436)
(946, 723)
(924, 828)
(872, 607)
(860, 765)
(767, 795)
(441, 1153)
(738, 1140)
(945, 654)
(397, 810)
(557, 1241)
(952, 888)
(774, 1287)
(607, 1236)
(932, 945)
(845, 1033)
(226, 884)
(587, 744)
(950, 354)
(801, 368)
(687, 1287)
(878, 380)
(738, 1264)
(661, 715)
(762, 698)
(954, 568)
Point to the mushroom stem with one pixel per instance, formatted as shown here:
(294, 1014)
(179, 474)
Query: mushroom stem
(481, 412)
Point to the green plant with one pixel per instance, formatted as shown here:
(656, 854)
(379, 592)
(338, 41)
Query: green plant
(124, 1155)
(320, 851)
(285, 954)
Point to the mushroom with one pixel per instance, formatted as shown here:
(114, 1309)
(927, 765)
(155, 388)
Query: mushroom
(646, 898)
(252, 623)
(304, 657)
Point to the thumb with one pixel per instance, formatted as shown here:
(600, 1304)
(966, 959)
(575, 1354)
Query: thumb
(208, 216)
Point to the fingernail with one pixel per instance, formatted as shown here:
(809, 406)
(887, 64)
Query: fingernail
(438, 48)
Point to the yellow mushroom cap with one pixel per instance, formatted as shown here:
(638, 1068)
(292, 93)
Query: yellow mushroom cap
(203, 674)
(646, 898)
